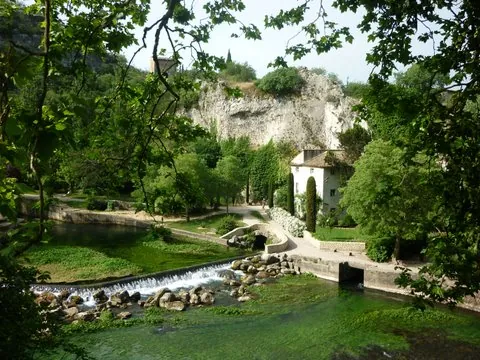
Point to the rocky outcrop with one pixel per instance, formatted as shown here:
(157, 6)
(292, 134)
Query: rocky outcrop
(313, 117)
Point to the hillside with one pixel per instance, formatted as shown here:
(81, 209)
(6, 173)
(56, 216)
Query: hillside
(313, 117)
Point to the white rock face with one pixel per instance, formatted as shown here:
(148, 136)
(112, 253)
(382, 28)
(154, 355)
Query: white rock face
(313, 117)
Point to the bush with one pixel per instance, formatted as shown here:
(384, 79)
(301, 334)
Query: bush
(290, 223)
(227, 224)
(270, 194)
(380, 249)
(311, 204)
(283, 81)
(327, 221)
(160, 233)
(238, 72)
(280, 197)
(95, 204)
(347, 221)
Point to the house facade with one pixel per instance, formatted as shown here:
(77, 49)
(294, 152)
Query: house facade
(327, 176)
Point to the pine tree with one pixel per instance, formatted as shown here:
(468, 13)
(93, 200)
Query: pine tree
(311, 204)
(229, 57)
(290, 195)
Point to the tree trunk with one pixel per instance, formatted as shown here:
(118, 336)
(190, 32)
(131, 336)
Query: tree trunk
(226, 198)
(247, 192)
(187, 214)
(396, 250)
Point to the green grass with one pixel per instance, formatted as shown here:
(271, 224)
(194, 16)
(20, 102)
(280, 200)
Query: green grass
(69, 263)
(90, 253)
(203, 226)
(339, 234)
(256, 214)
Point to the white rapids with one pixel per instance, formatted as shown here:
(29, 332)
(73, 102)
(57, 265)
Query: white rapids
(147, 286)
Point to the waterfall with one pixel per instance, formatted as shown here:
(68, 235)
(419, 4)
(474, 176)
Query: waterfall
(146, 286)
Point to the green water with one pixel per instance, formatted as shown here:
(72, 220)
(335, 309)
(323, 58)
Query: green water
(297, 318)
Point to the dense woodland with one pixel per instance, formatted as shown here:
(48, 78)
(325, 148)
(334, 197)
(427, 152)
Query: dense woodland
(74, 116)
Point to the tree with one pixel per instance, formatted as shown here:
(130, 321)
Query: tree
(238, 72)
(270, 194)
(353, 141)
(232, 177)
(388, 199)
(281, 82)
(290, 195)
(265, 167)
(229, 57)
(311, 204)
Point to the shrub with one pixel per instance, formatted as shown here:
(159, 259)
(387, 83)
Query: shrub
(227, 224)
(95, 204)
(380, 249)
(311, 204)
(282, 81)
(160, 233)
(290, 195)
(327, 221)
(347, 221)
(290, 223)
(238, 72)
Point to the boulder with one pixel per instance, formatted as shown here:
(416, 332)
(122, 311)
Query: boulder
(288, 271)
(85, 316)
(124, 315)
(120, 298)
(234, 293)
(234, 283)
(166, 298)
(135, 296)
(207, 298)
(256, 259)
(70, 312)
(46, 298)
(174, 306)
(194, 299)
(184, 296)
(154, 300)
(285, 264)
(64, 294)
(100, 296)
(244, 266)
(196, 290)
(270, 259)
(228, 274)
(236, 264)
(244, 298)
(101, 306)
(252, 270)
(262, 275)
(75, 299)
(248, 279)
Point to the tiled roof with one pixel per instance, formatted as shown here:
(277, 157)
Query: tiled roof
(320, 161)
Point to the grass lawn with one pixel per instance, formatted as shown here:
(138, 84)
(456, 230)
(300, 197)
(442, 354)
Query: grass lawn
(339, 234)
(203, 226)
(90, 253)
(25, 189)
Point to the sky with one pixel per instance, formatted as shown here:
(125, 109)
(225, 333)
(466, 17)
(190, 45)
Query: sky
(348, 62)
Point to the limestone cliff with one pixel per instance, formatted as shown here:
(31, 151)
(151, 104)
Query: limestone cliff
(313, 117)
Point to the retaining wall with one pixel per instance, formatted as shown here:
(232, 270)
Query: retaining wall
(354, 246)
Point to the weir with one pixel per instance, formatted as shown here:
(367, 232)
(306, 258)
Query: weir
(145, 286)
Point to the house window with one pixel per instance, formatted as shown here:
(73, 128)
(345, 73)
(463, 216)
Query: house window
(296, 188)
(332, 171)
(297, 169)
(332, 192)
(311, 170)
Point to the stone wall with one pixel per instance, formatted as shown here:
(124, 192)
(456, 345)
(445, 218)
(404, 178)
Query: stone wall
(279, 238)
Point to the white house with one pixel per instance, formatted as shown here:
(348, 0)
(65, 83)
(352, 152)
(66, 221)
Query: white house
(327, 176)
